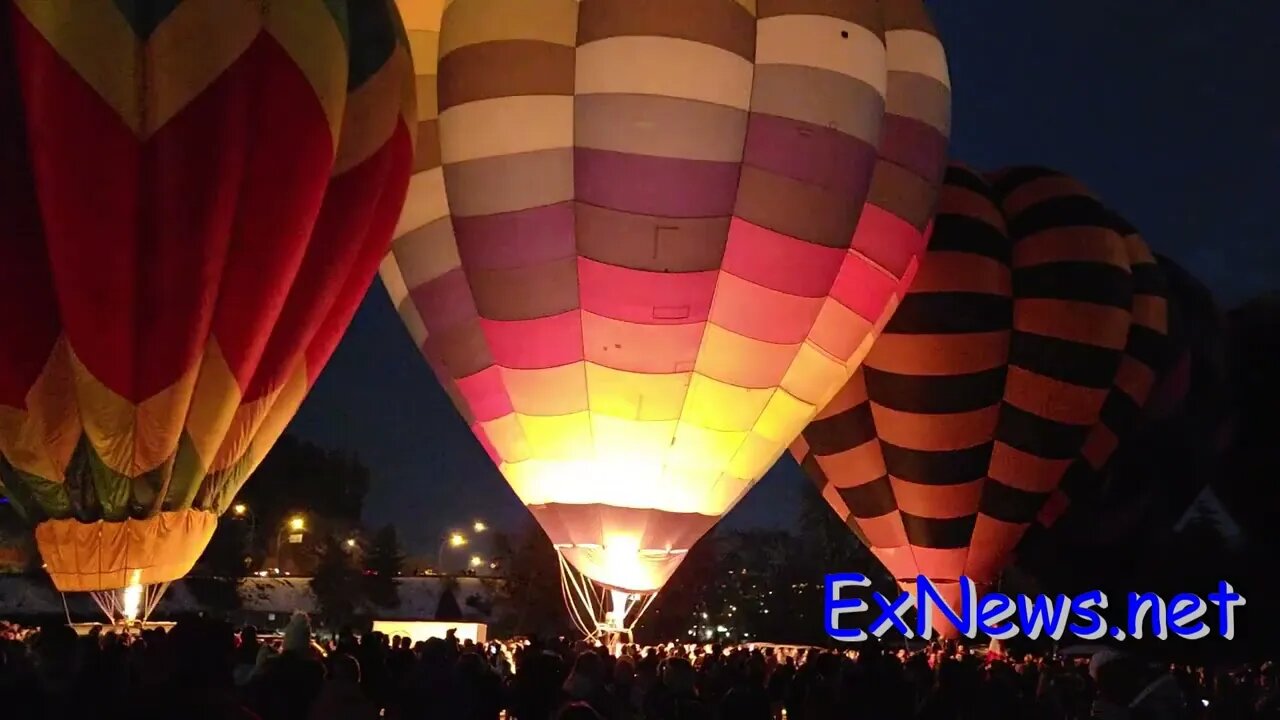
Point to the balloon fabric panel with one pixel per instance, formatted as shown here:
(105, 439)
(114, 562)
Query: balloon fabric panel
(1167, 448)
(656, 238)
(197, 223)
(1025, 348)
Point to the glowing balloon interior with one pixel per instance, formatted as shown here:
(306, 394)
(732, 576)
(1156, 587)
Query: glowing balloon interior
(646, 241)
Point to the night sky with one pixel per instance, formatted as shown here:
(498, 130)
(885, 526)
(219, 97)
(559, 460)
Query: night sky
(1169, 110)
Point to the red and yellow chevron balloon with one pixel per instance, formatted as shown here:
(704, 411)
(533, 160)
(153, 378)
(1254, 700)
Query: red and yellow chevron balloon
(195, 196)
(646, 241)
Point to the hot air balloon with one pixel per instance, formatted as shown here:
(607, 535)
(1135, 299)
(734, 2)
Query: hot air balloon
(196, 197)
(653, 240)
(1159, 468)
(1027, 346)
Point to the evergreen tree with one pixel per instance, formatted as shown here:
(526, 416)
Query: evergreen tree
(384, 563)
(448, 609)
(336, 584)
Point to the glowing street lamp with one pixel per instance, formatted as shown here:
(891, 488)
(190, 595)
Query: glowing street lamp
(351, 543)
(242, 512)
(296, 525)
(453, 540)
(476, 561)
(479, 526)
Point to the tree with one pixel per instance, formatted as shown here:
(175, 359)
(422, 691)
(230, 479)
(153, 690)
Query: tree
(327, 486)
(383, 564)
(227, 552)
(336, 584)
(447, 609)
(685, 596)
(529, 596)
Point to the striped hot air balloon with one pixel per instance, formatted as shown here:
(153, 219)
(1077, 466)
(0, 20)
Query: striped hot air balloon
(655, 237)
(1158, 470)
(1022, 355)
(195, 196)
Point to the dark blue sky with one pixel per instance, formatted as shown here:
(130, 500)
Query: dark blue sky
(1169, 110)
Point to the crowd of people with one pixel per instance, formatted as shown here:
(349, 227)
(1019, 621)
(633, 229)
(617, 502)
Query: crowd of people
(204, 669)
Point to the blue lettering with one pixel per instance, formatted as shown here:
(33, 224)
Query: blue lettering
(1043, 613)
(1083, 606)
(891, 614)
(1227, 600)
(837, 606)
(1185, 612)
(1140, 606)
(993, 612)
(929, 597)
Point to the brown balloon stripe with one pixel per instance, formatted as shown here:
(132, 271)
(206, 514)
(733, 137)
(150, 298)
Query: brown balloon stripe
(870, 14)
(529, 67)
(724, 24)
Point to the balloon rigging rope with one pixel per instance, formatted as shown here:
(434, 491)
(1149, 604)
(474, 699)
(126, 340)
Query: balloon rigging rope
(154, 595)
(589, 623)
(594, 607)
(107, 603)
(575, 612)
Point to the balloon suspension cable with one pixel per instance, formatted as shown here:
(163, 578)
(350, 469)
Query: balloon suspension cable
(588, 602)
(129, 605)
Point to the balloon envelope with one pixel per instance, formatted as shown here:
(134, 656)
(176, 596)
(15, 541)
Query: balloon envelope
(1024, 351)
(196, 198)
(656, 237)
(1156, 473)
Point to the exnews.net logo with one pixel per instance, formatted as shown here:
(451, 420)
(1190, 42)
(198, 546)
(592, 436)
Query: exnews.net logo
(1186, 615)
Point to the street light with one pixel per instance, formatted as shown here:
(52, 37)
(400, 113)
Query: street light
(476, 561)
(479, 526)
(351, 542)
(295, 524)
(451, 540)
(240, 509)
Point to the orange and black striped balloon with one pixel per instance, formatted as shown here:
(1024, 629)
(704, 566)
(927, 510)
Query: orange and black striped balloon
(1159, 469)
(1029, 342)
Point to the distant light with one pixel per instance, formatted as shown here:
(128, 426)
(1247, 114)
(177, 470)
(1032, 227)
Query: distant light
(297, 523)
(240, 508)
(351, 542)
(479, 526)
(476, 561)
(704, 616)
(457, 540)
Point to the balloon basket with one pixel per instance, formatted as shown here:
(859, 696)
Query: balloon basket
(602, 614)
